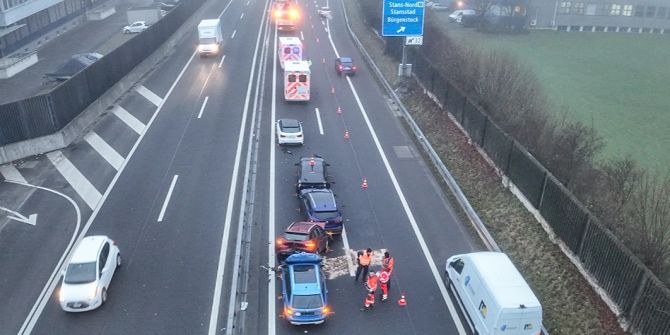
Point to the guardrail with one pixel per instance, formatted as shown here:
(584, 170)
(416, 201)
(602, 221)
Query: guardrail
(432, 154)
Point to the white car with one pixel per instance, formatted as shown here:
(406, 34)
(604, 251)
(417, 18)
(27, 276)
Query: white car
(88, 274)
(289, 131)
(458, 14)
(136, 27)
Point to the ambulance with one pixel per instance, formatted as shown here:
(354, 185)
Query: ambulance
(296, 80)
(290, 49)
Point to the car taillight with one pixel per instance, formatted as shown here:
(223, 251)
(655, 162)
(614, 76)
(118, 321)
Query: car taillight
(280, 241)
(341, 67)
(354, 67)
(325, 310)
(310, 245)
(299, 135)
(288, 311)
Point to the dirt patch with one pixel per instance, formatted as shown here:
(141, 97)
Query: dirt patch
(570, 305)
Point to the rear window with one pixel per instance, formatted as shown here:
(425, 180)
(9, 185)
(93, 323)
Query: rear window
(295, 237)
(80, 273)
(307, 301)
(303, 78)
(304, 274)
(291, 78)
(290, 129)
(325, 215)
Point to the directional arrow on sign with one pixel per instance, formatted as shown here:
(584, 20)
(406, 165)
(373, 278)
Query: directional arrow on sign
(402, 28)
(31, 219)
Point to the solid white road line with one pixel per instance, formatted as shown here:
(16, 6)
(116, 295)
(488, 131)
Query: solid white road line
(105, 150)
(350, 263)
(149, 95)
(233, 35)
(248, 3)
(241, 16)
(11, 173)
(75, 178)
(50, 286)
(223, 251)
(405, 205)
(302, 37)
(318, 120)
(221, 62)
(128, 119)
(166, 202)
(271, 199)
(204, 103)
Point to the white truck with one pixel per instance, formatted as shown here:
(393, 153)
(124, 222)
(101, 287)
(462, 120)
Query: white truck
(493, 295)
(209, 37)
(289, 49)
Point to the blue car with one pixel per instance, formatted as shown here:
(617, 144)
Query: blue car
(304, 290)
(319, 206)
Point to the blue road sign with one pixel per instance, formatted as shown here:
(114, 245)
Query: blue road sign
(403, 18)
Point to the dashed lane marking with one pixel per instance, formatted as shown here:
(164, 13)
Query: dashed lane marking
(75, 178)
(167, 198)
(130, 120)
(149, 95)
(10, 172)
(105, 150)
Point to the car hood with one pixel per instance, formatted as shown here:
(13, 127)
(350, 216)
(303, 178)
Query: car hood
(77, 292)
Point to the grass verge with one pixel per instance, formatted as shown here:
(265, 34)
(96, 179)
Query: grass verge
(570, 305)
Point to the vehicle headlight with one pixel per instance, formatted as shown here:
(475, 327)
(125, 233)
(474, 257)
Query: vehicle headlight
(61, 296)
(92, 293)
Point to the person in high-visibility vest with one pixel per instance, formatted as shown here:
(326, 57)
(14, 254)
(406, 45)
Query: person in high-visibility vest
(384, 278)
(371, 287)
(387, 264)
(363, 259)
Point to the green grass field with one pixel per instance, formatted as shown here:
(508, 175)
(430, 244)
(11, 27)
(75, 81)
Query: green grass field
(618, 82)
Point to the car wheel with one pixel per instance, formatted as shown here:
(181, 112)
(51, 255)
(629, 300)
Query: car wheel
(126, 31)
(103, 295)
(118, 260)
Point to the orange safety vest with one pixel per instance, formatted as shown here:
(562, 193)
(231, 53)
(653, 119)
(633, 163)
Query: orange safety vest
(387, 263)
(364, 259)
(371, 284)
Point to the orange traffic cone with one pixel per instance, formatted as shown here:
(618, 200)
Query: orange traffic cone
(365, 183)
(402, 301)
(339, 110)
(346, 134)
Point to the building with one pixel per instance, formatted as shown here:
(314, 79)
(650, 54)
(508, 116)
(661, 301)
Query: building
(23, 21)
(629, 16)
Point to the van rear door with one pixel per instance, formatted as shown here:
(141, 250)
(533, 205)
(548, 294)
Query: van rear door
(519, 321)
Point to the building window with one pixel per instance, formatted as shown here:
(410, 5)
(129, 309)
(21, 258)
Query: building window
(578, 8)
(639, 10)
(565, 7)
(616, 10)
(660, 13)
(591, 9)
(651, 11)
(603, 9)
(627, 10)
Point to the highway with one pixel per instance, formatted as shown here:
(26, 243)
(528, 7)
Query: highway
(203, 191)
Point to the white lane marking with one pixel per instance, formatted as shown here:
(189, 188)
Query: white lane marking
(204, 103)
(405, 205)
(10, 172)
(248, 3)
(271, 202)
(166, 202)
(221, 62)
(105, 150)
(241, 16)
(75, 178)
(302, 37)
(31, 219)
(216, 298)
(233, 35)
(50, 286)
(47, 290)
(128, 119)
(149, 95)
(318, 120)
(350, 263)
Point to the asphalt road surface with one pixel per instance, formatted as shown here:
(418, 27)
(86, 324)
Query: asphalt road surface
(204, 191)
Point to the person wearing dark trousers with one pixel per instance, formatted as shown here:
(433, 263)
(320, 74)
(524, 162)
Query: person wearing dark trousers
(363, 260)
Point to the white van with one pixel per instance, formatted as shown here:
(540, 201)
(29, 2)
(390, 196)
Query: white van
(209, 37)
(296, 80)
(289, 49)
(493, 295)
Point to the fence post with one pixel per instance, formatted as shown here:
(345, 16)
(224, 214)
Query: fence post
(486, 126)
(543, 189)
(446, 94)
(52, 113)
(638, 295)
(509, 158)
(583, 238)
(465, 100)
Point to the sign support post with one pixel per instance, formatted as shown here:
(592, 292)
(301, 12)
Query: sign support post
(404, 18)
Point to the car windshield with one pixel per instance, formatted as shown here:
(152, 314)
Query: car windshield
(290, 126)
(304, 274)
(80, 273)
(307, 301)
(295, 237)
(325, 215)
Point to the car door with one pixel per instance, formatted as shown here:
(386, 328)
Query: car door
(104, 270)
